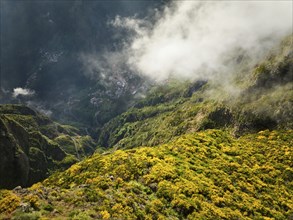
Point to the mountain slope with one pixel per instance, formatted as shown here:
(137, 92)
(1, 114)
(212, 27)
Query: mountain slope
(32, 145)
(203, 175)
(255, 99)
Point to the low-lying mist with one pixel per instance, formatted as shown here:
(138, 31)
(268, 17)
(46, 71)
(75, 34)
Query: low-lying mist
(199, 40)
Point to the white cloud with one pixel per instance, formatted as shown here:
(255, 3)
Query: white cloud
(192, 39)
(21, 91)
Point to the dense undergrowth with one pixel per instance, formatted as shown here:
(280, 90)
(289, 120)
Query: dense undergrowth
(203, 175)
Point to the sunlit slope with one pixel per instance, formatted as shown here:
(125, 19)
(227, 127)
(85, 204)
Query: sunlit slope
(204, 175)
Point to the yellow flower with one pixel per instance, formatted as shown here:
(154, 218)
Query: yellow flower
(105, 214)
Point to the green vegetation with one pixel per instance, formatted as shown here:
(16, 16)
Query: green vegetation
(33, 146)
(263, 100)
(211, 154)
(167, 111)
(203, 175)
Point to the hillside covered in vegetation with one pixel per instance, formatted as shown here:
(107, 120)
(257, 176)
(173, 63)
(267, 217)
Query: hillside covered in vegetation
(187, 150)
(256, 98)
(32, 146)
(148, 110)
(203, 175)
